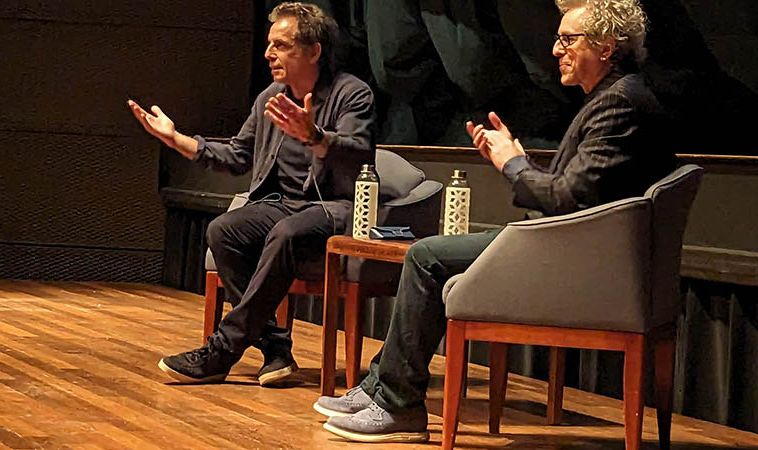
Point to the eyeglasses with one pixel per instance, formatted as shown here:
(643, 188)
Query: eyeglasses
(567, 40)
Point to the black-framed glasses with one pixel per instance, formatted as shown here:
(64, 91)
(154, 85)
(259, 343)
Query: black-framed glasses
(567, 40)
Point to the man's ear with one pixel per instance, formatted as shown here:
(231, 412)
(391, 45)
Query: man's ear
(316, 49)
(607, 50)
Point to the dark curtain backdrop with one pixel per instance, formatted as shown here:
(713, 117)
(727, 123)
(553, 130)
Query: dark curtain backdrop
(436, 63)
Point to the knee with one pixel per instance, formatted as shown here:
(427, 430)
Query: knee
(217, 233)
(414, 253)
(422, 253)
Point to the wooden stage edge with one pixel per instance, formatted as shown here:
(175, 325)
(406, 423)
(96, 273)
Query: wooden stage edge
(78, 371)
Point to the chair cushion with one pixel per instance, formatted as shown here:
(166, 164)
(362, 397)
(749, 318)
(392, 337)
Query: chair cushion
(397, 177)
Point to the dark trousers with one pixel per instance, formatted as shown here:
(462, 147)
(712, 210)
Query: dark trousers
(257, 249)
(399, 374)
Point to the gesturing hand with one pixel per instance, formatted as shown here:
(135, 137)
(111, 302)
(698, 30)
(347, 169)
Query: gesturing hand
(292, 119)
(496, 145)
(157, 124)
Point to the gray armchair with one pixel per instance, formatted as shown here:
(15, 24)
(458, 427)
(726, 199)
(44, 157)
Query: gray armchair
(603, 278)
(407, 198)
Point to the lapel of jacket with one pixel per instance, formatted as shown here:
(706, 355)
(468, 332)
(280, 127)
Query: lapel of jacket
(571, 140)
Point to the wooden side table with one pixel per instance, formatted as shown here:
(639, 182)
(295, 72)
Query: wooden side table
(337, 246)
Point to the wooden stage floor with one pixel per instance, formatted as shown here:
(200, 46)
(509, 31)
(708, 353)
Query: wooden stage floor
(78, 370)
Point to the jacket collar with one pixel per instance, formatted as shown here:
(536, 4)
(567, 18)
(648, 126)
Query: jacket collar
(613, 76)
(320, 90)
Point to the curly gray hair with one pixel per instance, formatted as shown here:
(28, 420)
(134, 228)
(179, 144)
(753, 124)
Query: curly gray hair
(313, 26)
(624, 21)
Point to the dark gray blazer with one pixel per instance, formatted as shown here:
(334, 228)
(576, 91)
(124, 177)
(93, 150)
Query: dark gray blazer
(344, 108)
(614, 148)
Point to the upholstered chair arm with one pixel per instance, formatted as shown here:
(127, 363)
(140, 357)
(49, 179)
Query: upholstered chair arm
(420, 209)
(423, 191)
(588, 269)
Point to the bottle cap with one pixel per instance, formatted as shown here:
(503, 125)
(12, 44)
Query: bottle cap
(459, 173)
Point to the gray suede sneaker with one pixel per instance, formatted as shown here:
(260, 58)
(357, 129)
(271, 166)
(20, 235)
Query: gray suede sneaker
(353, 401)
(374, 424)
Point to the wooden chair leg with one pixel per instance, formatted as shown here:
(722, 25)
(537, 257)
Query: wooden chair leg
(290, 313)
(634, 365)
(353, 335)
(214, 304)
(329, 327)
(664, 349)
(464, 391)
(284, 313)
(498, 383)
(556, 381)
(454, 366)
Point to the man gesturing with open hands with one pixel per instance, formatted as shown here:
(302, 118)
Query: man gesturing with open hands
(304, 142)
(161, 126)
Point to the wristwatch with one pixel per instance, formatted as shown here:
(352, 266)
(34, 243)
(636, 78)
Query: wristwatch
(317, 138)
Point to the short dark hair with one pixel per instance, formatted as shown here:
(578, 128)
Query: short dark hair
(313, 26)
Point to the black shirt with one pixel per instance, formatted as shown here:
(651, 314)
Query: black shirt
(292, 165)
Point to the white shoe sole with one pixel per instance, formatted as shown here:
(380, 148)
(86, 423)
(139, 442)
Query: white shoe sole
(189, 380)
(277, 375)
(329, 412)
(422, 436)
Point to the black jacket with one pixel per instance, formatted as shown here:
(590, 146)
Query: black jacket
(615, 147)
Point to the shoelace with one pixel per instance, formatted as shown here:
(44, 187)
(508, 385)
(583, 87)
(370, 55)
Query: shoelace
(376, 411)
(200, 353)
(352, 392)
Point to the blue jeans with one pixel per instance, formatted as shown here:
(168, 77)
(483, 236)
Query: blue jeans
(399, 374)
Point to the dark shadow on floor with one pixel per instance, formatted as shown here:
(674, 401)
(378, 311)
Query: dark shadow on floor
(477, 411)
(547, 442)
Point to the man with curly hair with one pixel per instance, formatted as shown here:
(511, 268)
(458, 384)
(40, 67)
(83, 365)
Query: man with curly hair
(609, 152)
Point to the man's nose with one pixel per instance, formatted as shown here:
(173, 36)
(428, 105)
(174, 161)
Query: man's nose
(558, 49)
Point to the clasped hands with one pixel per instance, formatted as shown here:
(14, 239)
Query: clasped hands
(496, 145)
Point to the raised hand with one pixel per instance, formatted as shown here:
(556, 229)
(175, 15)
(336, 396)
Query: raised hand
(157, 124)
(478, 138)
(496, 145)
(292, 119)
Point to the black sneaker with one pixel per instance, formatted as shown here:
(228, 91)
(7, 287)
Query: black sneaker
(206, 364)
(276, 367)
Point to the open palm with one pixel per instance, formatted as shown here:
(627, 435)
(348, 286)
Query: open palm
(157, 124)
